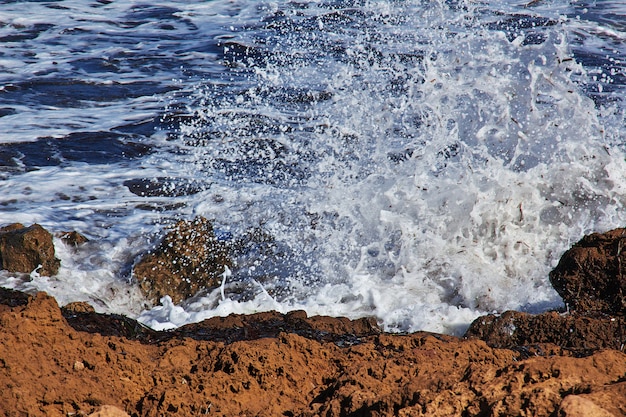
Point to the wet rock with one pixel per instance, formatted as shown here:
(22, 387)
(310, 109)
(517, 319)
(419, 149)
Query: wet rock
(12, 227)
(24, 249)
(579, 334)
(239, 327)
(163, 187)
(73, 238)
(591, 276)
(591, 281)
(233, 328)
(13, 298)
(112, 325)
(188, 259)
(77, 307)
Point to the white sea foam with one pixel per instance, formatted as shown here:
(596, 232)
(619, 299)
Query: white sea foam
(506, 164)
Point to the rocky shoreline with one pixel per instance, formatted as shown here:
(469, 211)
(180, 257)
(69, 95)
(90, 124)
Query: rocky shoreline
(70, 360)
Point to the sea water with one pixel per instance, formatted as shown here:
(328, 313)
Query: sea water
(423, 162)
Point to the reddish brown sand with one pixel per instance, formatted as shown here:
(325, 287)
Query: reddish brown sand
(48, 368)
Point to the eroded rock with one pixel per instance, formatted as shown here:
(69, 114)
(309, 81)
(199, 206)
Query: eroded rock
(577, 333)
(591, 276)
(188, 259)
(49, 367)
(24, 249)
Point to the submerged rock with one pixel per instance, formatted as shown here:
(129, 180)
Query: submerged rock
(190, 258)
(591, 276)
(24, 249)
(73, 238)
(163, 186)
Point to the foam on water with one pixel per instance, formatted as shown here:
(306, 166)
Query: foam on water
(445, 170)
(422, 162)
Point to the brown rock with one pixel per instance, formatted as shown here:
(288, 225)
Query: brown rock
(590, 279)
(579, 406)
(590, 276)
(24, 249)
(189, 258)
(238, 327)
(77, 307)
(12, 227)
(286, 373)
(580, 334)
(109, 411)
(73, 238)
(605, 397)
(233, 328)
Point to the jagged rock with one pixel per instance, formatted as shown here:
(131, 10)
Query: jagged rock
(188, 259)
(591, 281)
(24, 249)
(577, 333)
(49, 367)
(591, 276)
